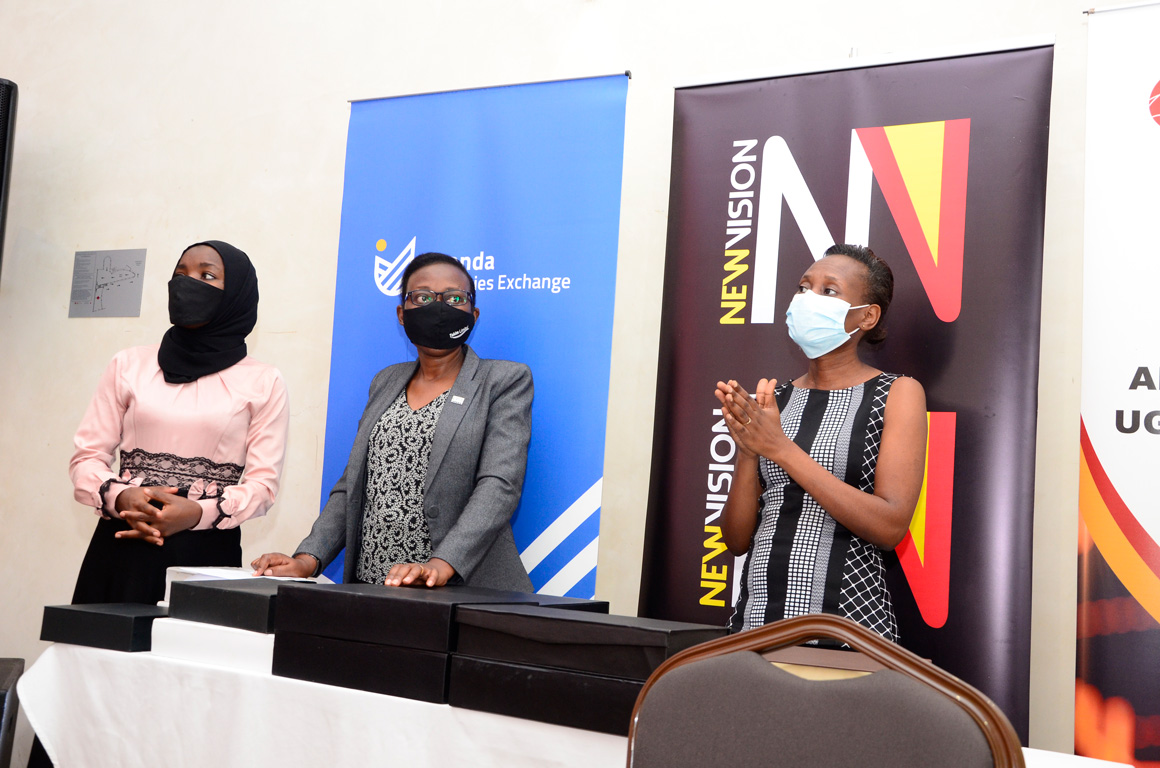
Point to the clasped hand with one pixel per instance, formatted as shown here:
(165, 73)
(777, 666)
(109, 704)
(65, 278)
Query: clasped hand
(151, 523)
(753, 422)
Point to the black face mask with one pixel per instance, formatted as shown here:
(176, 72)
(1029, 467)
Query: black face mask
(192, 302)
(438, 326)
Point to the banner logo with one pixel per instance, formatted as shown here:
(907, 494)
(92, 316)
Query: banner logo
(389, 274)
(1154, 103)
(921, 169)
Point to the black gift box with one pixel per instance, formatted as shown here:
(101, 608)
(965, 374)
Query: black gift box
(561, 697)
(241, 603)
(618, 646)
(407, 617)
(385, 669)
(115, 626)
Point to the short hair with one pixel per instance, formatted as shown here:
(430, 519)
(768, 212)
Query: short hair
(879, 283)
(426, 260)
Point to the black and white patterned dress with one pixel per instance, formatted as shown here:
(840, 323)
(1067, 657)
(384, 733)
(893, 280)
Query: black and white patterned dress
(394, 528)
(801, 560)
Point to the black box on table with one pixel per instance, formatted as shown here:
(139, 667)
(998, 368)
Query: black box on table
(114, 626)
(395, 671)
(405, 617)
(616, 646)
(241, 603)
(557, 696)
(561, 667)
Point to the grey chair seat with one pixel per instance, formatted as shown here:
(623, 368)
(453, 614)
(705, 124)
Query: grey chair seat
(722, 703)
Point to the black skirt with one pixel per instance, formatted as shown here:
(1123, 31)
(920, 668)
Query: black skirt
(133, 571)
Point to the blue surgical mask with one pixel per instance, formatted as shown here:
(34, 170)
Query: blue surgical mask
(817, 323)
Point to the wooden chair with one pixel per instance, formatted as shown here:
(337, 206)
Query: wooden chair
(723, 703)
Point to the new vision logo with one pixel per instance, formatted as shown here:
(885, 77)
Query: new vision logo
(389, 274)
(921, 169)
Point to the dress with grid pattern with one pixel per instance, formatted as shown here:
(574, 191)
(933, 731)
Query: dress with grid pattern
(801, 560)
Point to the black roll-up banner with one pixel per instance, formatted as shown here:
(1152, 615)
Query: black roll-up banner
(940, 167)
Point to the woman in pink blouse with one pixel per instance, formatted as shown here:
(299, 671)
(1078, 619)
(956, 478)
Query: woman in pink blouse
(199, 430)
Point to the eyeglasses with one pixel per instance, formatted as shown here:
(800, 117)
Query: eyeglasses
(422, 298)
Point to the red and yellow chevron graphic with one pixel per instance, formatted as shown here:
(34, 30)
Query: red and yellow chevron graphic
(922, 171)
(1132, 554)
(925, 553)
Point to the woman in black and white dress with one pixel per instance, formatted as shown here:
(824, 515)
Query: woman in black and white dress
(831, 464)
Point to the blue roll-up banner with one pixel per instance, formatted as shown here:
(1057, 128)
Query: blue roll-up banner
(522, 185)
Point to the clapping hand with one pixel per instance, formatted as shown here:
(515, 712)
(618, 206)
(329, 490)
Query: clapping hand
(754, 422)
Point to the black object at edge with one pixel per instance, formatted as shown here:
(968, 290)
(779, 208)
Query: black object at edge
(8, 93)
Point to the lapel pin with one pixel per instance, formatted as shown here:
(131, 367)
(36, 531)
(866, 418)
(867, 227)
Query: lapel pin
(457, 399)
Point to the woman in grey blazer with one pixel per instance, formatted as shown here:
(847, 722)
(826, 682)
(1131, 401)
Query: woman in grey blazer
(437, 466)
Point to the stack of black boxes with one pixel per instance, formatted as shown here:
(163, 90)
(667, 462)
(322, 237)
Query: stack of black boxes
(578, 669)
(393, 640)
(554, 659)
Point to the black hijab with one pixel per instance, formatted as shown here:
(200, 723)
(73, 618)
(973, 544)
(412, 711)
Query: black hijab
(187, 354)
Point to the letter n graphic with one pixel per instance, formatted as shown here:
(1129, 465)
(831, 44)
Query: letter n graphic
(925, 552)
(922, 172)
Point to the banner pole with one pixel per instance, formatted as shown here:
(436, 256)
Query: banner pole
(856, 61)
(626, 73)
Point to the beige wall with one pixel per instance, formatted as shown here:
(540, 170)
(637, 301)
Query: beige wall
(152, 125)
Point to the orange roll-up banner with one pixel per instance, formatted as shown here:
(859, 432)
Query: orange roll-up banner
(1117, 708)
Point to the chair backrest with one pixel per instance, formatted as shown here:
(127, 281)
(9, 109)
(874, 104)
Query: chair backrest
(10, 671)
(722, 703)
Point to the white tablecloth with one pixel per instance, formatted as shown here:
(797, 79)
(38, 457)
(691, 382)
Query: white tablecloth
(96, 708)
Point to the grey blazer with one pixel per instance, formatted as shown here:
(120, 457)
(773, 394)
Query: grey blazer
(475, 474)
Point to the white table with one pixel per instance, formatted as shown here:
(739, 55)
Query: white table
(96, 708)
(1041, 758)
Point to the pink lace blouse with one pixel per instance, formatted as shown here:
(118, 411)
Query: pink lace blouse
(222, 436)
